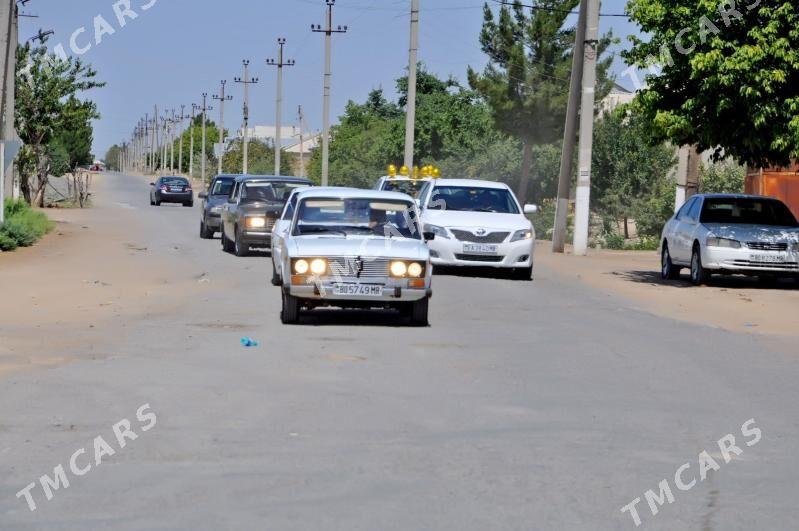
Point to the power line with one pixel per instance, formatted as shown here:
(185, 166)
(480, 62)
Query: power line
(555, 10)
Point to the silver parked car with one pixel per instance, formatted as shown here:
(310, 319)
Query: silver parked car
(731, 234)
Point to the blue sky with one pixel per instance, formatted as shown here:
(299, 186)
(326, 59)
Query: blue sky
(178, 49)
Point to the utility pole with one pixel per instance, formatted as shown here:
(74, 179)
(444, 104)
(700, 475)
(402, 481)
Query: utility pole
(205, 110)
(182, 118)
(222, 99)
(164, 140)
(410, 108)
(302, 146)
(194, 108)
(328, 31)
(246, 81)
(280, 63)
(9, 27)
(155, 139)
(582, 216)
(569, 136)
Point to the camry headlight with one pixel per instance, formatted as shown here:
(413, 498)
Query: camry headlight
(714, 241)
(318, 266)
(256, 222)
(399, 269)
(525, 234)
(440, 232)
(301, 266)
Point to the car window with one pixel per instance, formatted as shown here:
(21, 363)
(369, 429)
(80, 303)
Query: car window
(412, 188)
(355, 215)
(693, 214)
(685, 208)
(222, 187)
(174, 181)
(473, 199)
(288, 212)
(747, 210)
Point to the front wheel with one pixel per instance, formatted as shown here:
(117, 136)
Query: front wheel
(668, 271)
(290, 312)
(227, 245)
(240, 248)
(419, 312)
(523, 273)
(205, 232)
(699, 275)
(276, 281)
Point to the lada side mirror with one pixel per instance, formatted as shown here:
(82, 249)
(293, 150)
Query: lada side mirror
(429, 236)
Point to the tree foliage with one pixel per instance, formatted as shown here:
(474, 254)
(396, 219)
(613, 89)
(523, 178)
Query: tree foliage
(526, 81)
(49, 110)
(728, 80)
(260, 159)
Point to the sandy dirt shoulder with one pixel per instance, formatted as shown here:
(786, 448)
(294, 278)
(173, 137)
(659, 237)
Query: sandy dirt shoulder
(738, 304)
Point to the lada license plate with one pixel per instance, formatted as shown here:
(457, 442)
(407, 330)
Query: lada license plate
(480, 248)
(358, 289)
(767, 258)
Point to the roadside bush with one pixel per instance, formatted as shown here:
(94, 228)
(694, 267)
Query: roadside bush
(23, 226)
(614, 241)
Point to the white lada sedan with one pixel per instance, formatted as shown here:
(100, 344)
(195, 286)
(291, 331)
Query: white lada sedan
(478, 223)
(730, 234)
(355, 249)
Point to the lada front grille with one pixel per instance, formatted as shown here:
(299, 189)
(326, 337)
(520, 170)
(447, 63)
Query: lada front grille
(358, 267)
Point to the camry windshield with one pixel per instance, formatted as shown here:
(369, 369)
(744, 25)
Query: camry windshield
(412, 188)
(471, 199)
(746, 210)
(275, 191)
(356, 216)
(222, 187)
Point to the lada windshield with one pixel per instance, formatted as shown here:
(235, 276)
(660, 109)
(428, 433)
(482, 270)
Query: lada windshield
(357, 216)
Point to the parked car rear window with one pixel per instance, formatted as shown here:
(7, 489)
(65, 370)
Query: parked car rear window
(174, 181)
(746, 210)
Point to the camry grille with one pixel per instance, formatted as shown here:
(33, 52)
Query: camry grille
(766, 246)
(492, 237)
(479, 258)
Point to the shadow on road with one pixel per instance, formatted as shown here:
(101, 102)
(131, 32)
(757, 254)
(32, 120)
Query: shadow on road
(717, 281)
(339, 317)
(476, 272)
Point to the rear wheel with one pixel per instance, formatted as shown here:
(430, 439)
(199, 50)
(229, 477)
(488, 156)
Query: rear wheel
(699, 275)
(240, 248)
(189, 204)
(157, 203)
(290, 312)
(419, 312)
(668, 271)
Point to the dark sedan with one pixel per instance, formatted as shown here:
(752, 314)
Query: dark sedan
(249, 214)
(212, 202)
(171, 190)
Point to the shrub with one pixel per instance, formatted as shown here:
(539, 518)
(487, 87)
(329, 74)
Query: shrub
(614, 241)
(23, 226)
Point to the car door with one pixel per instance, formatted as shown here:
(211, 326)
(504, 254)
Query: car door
(229, 212)
(685, 230)
(281, 229)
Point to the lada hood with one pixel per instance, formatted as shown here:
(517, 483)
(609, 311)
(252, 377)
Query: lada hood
(476, 220)
(363, 246)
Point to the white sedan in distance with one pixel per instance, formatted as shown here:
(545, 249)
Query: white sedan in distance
(355, 249)
(478, 223)
(730, 234)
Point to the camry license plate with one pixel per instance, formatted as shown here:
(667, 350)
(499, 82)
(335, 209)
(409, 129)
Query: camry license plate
(358, 289)
(480, 248)
(767, 258)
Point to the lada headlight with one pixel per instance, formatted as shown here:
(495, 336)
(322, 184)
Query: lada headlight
(318, 266)
(256, 222)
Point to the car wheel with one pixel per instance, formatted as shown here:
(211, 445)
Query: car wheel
(205, 232)
(419, 312)
(190, 204)
(152, 203)
(290, 312)
(668, 271)
(227, 245)
(157, 203)
(240, 248)
(522, 273)
(276, 281)
(699, 275)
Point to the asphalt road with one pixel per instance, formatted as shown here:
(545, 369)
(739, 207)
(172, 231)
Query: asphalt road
(525, 405)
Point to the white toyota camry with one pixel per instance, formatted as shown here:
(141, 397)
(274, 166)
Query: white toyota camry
(729, 234)
(478, 223)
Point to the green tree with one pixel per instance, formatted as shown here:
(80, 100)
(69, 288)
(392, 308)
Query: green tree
(626, 171)
(736, 87)
(47, 104)
(526, 81)
(260, 159)
(725, 177)
(211, 138)
(111, 158)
